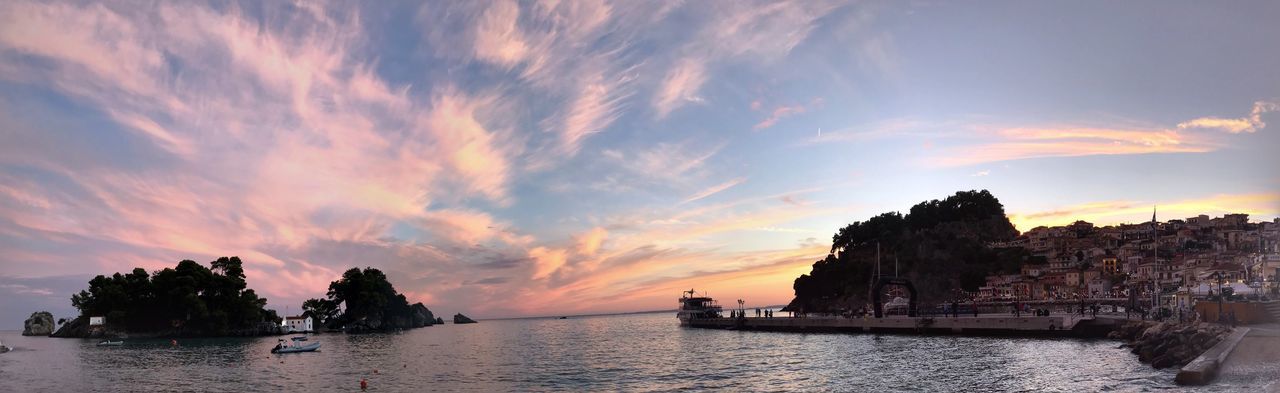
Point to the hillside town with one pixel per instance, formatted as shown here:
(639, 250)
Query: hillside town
(1167, 265)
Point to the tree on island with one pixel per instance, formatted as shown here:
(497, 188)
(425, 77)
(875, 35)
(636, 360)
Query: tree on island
(370, 303)
(940, 245)
(189, 299)
(322, 311)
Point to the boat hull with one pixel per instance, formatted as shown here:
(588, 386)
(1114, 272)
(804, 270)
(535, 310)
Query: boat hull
(305, 348)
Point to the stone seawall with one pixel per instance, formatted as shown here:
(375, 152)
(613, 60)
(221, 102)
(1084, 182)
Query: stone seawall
(1052, 326)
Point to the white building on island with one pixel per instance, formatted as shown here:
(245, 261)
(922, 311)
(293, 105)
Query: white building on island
(297, 324)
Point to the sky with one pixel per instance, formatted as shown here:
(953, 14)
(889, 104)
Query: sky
(507, 159)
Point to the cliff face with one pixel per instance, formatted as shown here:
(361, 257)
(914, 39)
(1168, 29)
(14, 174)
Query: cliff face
(940, 245)
(39, 324)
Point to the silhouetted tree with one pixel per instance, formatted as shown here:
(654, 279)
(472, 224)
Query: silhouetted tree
(190, 298)
(940, 245)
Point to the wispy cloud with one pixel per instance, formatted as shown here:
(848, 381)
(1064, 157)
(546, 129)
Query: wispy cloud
(1251, 123)
(272, 134)
(680, 86)
(709, 191)
(668, 163)
(785, 111)
(1006, 144)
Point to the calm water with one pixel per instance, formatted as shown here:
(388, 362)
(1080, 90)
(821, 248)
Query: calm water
(643, 352)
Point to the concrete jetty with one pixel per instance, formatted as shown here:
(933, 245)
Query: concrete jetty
(1204, 368)
(985, 324)
(1255, 360)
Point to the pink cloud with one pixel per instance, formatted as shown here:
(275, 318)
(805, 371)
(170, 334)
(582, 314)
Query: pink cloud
(1251, 123)
(590, 242)
(278, 136)
(1022, 143)
(680, 86)
(782, 112)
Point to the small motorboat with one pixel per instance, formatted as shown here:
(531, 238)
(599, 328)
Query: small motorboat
(4, 349)
(282, 347)
(110, 343)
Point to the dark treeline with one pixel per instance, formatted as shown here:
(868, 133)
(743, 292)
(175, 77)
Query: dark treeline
(189, 299)
(940, 245)
(371, 304)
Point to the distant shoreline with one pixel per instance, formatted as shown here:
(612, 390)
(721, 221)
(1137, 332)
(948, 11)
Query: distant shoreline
(610, 314)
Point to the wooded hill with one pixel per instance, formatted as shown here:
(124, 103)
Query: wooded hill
(940, 245)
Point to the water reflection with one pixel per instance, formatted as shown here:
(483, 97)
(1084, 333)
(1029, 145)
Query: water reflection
(644, 352)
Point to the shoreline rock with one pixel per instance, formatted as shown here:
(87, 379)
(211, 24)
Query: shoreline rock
(1169, 344)
(461, 319)
(39, 324)
(79, 328)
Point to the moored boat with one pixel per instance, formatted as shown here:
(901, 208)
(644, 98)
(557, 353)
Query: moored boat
(296, 346)
(696, 307)
(110, 343)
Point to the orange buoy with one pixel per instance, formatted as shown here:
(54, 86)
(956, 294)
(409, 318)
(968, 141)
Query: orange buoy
(364, 384)
(375, 371)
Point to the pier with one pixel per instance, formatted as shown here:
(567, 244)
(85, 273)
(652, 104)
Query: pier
(985, 324)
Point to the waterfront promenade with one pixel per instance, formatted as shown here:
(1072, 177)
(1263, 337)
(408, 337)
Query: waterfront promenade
(1066, 325)
(1256, 359)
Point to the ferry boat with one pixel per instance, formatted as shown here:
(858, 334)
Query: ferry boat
(696, 307)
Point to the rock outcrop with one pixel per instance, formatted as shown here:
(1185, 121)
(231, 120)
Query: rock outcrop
(459, 319)
(419, 316)
(75, 328)
(422, 316)
(39, 324)
(439, 320)
(1169, 344)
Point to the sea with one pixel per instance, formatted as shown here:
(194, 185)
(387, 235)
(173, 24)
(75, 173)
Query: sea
(646, 352)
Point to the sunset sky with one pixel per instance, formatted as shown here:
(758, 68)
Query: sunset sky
(545, 158)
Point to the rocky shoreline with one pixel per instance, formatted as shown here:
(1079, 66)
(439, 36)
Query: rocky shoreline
(1169, 344)
(79, 328)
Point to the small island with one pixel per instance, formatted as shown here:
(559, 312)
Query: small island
(461, 319)
(372, 305)
(39, 324)
(189, 300)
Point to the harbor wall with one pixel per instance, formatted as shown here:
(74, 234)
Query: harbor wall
(1246, 312)
(1063, 326)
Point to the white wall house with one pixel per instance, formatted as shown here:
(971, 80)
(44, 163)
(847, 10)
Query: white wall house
(297, 324)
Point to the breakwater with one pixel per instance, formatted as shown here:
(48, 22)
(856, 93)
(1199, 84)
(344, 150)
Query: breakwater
(1052, 326)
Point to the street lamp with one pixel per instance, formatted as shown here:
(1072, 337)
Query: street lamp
(1218, 276)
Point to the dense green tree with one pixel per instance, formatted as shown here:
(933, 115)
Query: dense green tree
(189, 298)
(322, 311)
(941, 245)
(368, 300)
